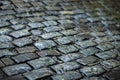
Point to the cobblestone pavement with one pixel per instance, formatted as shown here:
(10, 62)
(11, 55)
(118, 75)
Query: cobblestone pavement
(59, 40)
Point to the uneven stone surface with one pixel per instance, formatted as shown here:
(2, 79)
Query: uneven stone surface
(59, 40)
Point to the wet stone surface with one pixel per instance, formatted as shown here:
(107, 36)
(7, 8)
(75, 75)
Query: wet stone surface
(59, 40)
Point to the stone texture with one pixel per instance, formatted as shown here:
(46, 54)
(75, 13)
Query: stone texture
(41, 62)
(50, 23)
(7, 61)
(4, 38)
(45, 44)
(52, 29)
(71, 75)
(5, 45)
(16, 69)
(5, 30)
(94, 78)
(18, 27)
(61, 68)
(37, 74)
(35, 25)
(69, 32)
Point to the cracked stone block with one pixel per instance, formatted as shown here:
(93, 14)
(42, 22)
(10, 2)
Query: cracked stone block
(65, 21)
(45, 44)
(5, 38)
(69, 57)
(41, 62)
(20, 33)
(50, 23)
(106, 55)
(18, 26)
(105, 46)
(22, 41)
(52, 29)
(109, 64)
(24, 57)
(16, 69)
(67, 49)
(16, 77)
(35, 25)
(92, 70)
(39, 73)
(66, 40)
(86, 44)
(49, 53)
(5, 31)
(50, 35)
(27, 49)
(88, 60)
(7, 61)
(6, 52)
(36, 32)
(61, 68)
(71, 75)
(94, 78)
(6, 45)
(69, 32)
(89, 51)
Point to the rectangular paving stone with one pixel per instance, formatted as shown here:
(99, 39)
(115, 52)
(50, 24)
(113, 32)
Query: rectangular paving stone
(66, 40)
(45, 44)
(52, 8)
(89, 51)
(41, 62)
(20, 33)
(98, 34)
(69, 32)
(5, 31)
(51, 18)
(39, 73)
(86, 44)
(71, 75)
(49, 53)
(35, 25)
(109, 64)
(22, 41)
(50, 23)
(16, 69)
(5, 52)
(65, 21)
(5, 38)
(5, 45)
(61, 68)
(7, 61)
(50, 35)
(67, 49)
(94, 78)
(88, 60)
(18, 26)
(1, 64)
(69, 57)
(4, 23)
(52, 29)
(105, 46)
(106, 55)
(24, 57)
(92, 70)
(16, 77)
(35, 20)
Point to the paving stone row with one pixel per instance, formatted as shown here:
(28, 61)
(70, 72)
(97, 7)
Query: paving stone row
(59, 40)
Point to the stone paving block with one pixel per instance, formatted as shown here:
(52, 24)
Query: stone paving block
(18, 27)
(45, 44)
(52, 8)
(61, 68)
(35, 19)
(3, 24)
(65, 21)
(71, 75)
(20, 33)
(41, 62)
(39, 73)
(22, 41)
(89, 51)
(67, 26)
(51, 18)
(66, 40)
(69, 32)
(50, 35)
(50, 23)
(1, 65)
(85, 44)
(109, 64)
(27, 49)
(24, 57)
(49, 53)
(36, 32)
(92, 70)
(5, 52)
(69, 57)
(5, 31)
(98, 34)
(90, 60)
(16, 77)
(6, 45)
(52, 29)
(67, 49)
(105, 46)
(106, 55)
(16, 69)
(5, 38)
(94, 78)
(7, 61)
(35, 25)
